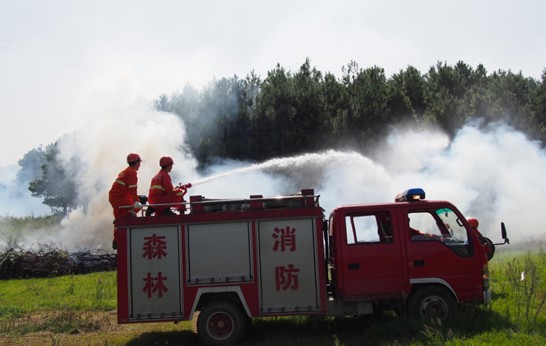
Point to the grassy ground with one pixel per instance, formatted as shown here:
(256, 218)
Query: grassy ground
(80, 310)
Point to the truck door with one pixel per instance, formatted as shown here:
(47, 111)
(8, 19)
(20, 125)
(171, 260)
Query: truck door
(440, 250)
(371, 262)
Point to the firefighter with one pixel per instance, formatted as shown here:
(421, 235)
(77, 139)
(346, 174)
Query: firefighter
(487, 243)
(124, 189)
(162, 190)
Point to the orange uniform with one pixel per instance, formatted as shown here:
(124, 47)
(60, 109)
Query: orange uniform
(162, 191)
(124, 192)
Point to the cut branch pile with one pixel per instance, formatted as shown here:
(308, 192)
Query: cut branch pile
(49, 261)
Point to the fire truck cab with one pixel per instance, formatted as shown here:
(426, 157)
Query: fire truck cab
(228, 261)
(415, 255)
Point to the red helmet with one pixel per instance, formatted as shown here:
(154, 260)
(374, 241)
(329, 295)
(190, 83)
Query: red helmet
(165, 161)
(473, 222)
(133, 158)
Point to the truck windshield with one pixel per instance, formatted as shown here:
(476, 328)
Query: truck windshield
(441, 224)
(454, 227)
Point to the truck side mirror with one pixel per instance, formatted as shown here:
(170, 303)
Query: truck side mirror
(503, 234)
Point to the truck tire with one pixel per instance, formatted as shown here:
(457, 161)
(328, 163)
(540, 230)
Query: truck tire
(221, 323)
(431, 302)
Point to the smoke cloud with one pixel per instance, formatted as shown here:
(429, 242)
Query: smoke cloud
(15, 198)
(491, 173)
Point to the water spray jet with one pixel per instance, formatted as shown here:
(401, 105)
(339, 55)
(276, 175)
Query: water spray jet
(317, 161)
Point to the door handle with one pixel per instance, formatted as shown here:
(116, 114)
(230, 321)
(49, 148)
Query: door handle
(353, 266)
(419, 263)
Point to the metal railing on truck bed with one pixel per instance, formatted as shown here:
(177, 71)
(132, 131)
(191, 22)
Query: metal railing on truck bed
(199, 204)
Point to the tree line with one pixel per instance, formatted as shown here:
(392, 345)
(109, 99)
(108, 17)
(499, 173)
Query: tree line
(289, 113)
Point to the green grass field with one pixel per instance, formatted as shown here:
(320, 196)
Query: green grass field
(80, 310)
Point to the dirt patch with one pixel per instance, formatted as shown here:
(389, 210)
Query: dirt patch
(90, 328)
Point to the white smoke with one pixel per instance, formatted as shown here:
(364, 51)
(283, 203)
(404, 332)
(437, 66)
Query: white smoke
(103, 147)
(494, 174)
(119, 123)
(15, 198)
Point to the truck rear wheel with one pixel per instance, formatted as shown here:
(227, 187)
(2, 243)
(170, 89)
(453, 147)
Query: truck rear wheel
(220, 323)
(431, 302)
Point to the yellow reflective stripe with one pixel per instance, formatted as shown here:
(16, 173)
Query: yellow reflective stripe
(120, 182)
(132, 186)
(156, 187)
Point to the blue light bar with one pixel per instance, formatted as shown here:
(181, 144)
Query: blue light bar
(410, 195)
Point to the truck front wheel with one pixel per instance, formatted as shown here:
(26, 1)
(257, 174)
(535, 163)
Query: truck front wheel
(431, 302)
(220, 323)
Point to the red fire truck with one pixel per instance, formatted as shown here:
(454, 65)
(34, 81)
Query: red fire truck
(233, 260)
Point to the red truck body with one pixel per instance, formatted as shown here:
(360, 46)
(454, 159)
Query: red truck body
(232, 260)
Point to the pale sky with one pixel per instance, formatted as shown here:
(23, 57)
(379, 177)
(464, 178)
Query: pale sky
(56, 55)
